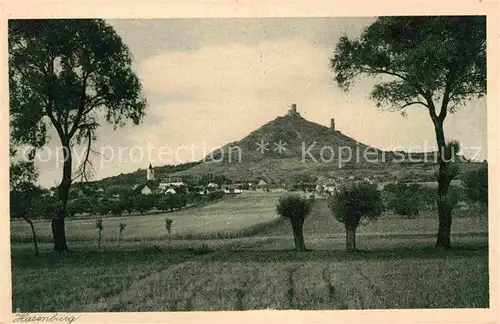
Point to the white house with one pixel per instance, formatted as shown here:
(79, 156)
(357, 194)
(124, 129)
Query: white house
(170, 191)
(213, 185)
(146, 190)
(329, 188)
(172, 182)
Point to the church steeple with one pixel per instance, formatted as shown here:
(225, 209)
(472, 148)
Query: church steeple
(150, 174)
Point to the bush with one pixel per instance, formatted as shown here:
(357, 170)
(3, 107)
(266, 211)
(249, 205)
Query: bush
(142, 203)
(406, 200)
(117, 208)
(350, 204)
(215, 195)
(296, 209)
(476, 184)
(163, 204)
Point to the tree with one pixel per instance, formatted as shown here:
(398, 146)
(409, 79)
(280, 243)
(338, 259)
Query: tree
(436, 62)
(69, 74)
(104, 207)
(142, 203)
(350, 204)
(476, 184)
(296, 209)
(117, 208)
(127, 198)
(22, 192)
(164, 203)
(406, 199)
(99, 228)
(476, 187)
(120, 233)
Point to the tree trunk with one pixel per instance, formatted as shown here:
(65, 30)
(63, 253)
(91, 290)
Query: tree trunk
(444, 180)
(100, 237)
(298, 236)
(58, 229)
(35, 241)
(59, 234)
(350, 243)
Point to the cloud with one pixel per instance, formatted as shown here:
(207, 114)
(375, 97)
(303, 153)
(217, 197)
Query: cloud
(206, 97)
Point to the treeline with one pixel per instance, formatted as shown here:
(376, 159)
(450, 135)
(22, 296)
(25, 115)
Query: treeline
(363, 200)
(45, 206)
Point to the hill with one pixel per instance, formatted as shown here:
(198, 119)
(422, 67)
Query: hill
(291, 146)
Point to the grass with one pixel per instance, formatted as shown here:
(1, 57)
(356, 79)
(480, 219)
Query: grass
(232, 217)
(54, 282)
(314, 280)
(321, 222)
(396, 266)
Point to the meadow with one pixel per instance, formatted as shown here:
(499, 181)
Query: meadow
(231, 217)
(250, 263)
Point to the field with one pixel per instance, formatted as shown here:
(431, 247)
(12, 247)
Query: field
(227, 218)
(250, 264)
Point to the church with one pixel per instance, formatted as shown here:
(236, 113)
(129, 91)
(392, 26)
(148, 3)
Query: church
(167, 185)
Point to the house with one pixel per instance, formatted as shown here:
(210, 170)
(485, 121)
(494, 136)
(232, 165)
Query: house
(172, 182)
(261, 183)
(149, 188)
(146, 190)
(331, 188)
(170, 191)
(213, 185)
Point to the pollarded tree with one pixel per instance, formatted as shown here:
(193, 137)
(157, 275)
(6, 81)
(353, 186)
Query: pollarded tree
(435, 62)
(354, 202)
(296, 209)
(69, 75)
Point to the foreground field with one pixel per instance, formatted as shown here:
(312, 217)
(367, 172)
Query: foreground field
(235, 279)
(237, 255)
(231, 217)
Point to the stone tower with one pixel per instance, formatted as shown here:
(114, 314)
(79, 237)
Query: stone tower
(293, 110)
(332, 124)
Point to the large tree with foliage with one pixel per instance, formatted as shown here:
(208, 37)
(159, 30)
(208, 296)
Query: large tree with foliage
(434, 62)
(68, 75)
(354, 202)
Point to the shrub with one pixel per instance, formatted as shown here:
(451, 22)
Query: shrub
(163, 204)
(296, 209)
(350, 204)
(476, 184)
(142, 203)
(117, 208)
(407, 200)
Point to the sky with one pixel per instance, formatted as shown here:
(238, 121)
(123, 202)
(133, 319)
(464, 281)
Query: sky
(213, 81)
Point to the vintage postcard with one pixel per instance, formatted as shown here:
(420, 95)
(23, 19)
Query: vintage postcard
(222, 162)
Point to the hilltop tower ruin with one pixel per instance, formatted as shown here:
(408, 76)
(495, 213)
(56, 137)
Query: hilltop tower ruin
(293, 110)
(332, 124)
